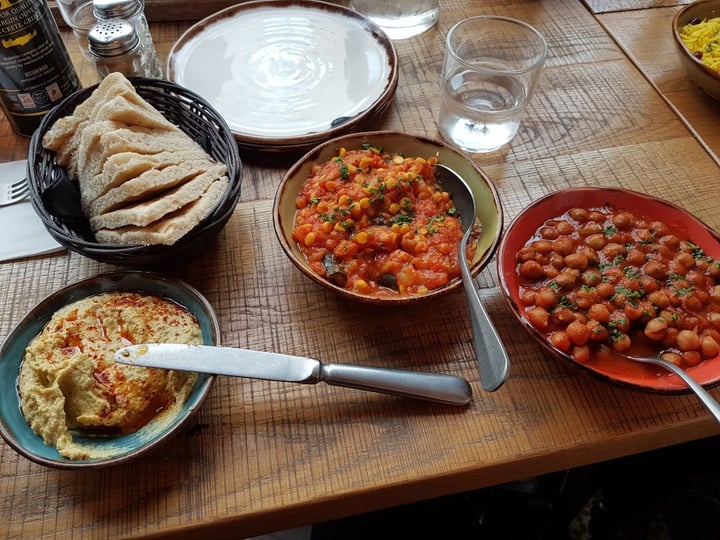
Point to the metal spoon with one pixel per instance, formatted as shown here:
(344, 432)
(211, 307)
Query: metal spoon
(709, 401)
(492, 357)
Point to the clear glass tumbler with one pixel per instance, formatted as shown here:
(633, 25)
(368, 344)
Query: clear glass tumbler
(400, 19)
(492, 65)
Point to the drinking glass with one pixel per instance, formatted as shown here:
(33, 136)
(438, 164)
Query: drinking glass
(399, 19)
(492, 65)
(78, 15)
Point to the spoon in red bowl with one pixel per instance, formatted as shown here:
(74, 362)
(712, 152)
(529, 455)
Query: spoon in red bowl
(707, 399)
(492, 358)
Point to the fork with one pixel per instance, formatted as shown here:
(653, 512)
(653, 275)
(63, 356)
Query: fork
(12, 192)
(708, 400)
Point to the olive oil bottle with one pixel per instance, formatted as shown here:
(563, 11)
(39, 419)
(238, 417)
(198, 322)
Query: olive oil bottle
(35, 69)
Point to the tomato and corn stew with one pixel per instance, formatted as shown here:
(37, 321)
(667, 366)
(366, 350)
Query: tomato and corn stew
(595, 279)
(378, 223)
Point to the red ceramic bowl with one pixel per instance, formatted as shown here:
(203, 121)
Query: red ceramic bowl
(615, 369)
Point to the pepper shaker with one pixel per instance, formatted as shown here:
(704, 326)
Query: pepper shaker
(115, 46)
(133, 12)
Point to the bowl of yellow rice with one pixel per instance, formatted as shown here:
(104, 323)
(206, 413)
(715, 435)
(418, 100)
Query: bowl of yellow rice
(696, 31)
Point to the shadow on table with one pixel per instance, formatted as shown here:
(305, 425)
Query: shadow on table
(668, 494)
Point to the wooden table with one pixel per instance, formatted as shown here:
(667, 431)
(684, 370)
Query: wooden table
(613, 109)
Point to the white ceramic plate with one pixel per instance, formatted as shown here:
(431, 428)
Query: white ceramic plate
(287, 74)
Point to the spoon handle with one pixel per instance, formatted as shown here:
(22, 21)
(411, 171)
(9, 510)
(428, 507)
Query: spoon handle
(707, 399)
(492, 358)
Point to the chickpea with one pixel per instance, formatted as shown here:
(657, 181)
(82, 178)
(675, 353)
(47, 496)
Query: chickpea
(546, 298)
(592, 278)
(527, 296)
(691, 358)
(557, 260)
(635, 257)
(564, 245)
(649, 284)
(605, 290)
(685, 260)
(542, 246)
(598, 332)
(531, 270)
(715, 294)
(687, 340)
(612, 250)
(526, 254)
(692, 303)
(659, 229)
(597, 217)
(589, 228)
(621, 342)
(549, 233)
(670, 339)
(567, 278)
(592, 255)
(581, 354)
(656, 270)
(596, 241)
(576, 260)
(563, 316)
(659, 299)
(599, 312)
(624, 220)
(565, 228)
(709, 347)
(714, 269)
(560, 340)
(672, 357)
(670, 241)
(655, 328)
(581, 215)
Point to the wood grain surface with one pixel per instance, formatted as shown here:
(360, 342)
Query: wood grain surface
(612, 109)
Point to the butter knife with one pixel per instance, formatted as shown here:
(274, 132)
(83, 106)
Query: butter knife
(436, 387)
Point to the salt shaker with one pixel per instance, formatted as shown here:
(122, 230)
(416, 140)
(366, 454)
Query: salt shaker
(133, 12)
(115, 46)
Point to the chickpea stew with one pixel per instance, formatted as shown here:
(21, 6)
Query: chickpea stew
(377, 223)
(598, 281)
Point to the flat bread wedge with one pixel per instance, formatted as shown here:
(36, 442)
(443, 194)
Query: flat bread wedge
(170, 229)
(146, 212)
(151, 183)
(127, 139)
(124, 166)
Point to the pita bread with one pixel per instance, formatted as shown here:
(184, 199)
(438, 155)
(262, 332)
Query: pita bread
(124, 166)
(146, 212)
(170, 229)
(150, 183)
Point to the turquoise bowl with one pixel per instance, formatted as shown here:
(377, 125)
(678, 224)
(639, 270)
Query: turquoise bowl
(16, 431)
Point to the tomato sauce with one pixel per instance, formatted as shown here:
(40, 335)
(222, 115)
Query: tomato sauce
(379, 224)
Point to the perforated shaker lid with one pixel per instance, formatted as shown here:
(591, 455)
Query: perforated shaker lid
(116, 9)
(113, 37)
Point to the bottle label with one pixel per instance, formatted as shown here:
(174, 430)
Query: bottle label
(35, 69)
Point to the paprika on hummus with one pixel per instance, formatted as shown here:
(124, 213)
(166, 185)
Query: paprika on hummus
(69, 379)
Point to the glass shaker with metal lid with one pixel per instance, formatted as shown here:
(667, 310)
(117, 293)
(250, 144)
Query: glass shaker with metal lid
(133, 12)
(114, 46)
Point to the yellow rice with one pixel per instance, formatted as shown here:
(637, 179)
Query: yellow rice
(703, 41)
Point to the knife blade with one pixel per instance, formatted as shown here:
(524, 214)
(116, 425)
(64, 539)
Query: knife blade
(435, 387)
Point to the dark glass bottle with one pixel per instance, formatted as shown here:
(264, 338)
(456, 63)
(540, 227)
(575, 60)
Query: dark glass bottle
(35, 69)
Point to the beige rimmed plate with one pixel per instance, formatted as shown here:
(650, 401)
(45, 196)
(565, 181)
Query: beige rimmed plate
(286, 75)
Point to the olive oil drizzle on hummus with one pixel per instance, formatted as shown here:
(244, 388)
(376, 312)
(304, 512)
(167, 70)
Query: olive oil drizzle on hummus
(69, 380)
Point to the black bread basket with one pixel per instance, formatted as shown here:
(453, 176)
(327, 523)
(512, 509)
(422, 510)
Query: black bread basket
(56, 199)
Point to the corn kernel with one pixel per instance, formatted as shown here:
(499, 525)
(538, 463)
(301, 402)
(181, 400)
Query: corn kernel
(364, 203)
(398, 159)
(327, 226)
(309, 239)
(394, 208)
(339, 228)
(300, 203)
(361, 238)
(343, 200)
(342, 152)
(395, 227)
(330, 185)
(362, 285)
(322, 207)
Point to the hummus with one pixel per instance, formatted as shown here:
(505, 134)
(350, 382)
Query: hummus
(69, 380)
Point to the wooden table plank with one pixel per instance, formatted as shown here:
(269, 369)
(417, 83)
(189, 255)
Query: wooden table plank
(661, 65)
(262, 456)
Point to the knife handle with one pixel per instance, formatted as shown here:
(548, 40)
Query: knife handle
(436, 387)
